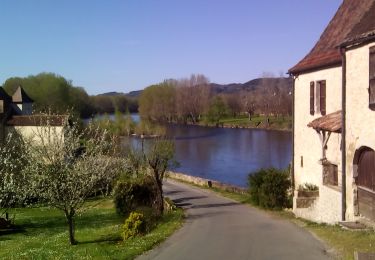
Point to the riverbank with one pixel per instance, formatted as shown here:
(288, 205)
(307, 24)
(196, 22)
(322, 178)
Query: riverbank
(256, 122)
(342, 243)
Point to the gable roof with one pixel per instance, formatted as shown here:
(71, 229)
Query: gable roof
(4, 96)
(37, 120)
(326, 53)
(363, 30)
(20, 96)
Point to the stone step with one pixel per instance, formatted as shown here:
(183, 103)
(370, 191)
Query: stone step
(305, 202)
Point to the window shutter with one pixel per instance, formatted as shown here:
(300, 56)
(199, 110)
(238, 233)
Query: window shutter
(312, 103)
(322, 97)
(372, 79)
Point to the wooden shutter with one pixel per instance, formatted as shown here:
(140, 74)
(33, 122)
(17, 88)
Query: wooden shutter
(322, 97)
(372, 79)
(312, 102)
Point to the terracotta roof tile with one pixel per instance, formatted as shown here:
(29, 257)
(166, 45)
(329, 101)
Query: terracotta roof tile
(325, 52)
(330, 122)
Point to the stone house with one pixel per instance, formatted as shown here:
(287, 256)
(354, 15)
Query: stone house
(333, 122)
(16, 116)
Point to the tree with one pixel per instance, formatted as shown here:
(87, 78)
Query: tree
(158, 157)
(13, 178)
(67, 166)
(217, 110)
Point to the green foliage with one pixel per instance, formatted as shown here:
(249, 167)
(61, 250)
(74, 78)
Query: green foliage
(52, 91)
(157, 102)
(122, 125)
(269, 188)
(308, 187)
(135, 225)
(148, 128)
(217, 110)
(133, 193)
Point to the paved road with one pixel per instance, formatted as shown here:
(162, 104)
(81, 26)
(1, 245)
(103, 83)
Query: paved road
(218, 228)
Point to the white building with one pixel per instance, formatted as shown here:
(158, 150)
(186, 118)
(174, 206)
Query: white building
(334, 121)
(16, 116)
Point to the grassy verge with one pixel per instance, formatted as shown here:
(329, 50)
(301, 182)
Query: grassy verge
(343, 242)
(44, 235)
(279, 123)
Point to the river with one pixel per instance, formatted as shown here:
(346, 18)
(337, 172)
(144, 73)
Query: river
(228, 155)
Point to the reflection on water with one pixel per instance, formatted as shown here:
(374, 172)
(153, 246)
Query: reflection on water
(228, 155)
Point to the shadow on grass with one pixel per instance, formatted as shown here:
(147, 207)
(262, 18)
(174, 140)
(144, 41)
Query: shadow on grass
(112, 238)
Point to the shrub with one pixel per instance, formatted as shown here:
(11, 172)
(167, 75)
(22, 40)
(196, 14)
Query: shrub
(133, 193)
(134, 225)
(269, 188)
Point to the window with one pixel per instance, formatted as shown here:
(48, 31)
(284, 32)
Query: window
(330, 174)
(318, 97)
(372, 79)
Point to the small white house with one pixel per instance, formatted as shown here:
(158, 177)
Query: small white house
(334, 119)
(16, 116)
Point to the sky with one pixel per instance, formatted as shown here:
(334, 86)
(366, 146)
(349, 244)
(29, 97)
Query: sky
(125, 45)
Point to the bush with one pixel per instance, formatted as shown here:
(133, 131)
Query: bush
(131, 194)
(269, 188)
(134, 225)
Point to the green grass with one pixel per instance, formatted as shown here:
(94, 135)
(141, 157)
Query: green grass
(43, 234)
(282, 123)
(343, 242)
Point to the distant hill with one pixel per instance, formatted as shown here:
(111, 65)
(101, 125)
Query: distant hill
(252, 85)
(229, 88)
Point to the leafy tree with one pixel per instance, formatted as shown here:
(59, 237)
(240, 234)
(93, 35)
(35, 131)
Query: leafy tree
(67, 166)
(159, 157)
(217, 110)
(14, 182)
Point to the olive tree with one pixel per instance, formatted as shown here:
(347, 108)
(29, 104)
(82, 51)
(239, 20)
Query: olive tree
(68, 165)
(159, 156)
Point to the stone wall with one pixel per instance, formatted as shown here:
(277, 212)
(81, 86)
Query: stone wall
(205, 182)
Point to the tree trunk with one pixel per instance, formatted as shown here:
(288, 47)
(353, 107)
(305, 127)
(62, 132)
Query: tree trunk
(70, 219)
(159, 200)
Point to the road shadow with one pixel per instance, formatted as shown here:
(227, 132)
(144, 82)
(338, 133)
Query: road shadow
(188, 198)
(172, 192)
(215, 205)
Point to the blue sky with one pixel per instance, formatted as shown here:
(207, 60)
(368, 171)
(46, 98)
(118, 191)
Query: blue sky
(124, 45)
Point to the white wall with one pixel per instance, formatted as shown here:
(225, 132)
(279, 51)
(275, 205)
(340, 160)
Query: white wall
(307, 142)
(360, 120)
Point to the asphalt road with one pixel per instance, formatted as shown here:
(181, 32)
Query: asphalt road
(219, 228)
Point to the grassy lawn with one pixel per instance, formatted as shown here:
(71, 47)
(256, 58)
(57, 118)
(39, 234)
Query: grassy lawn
(343, 242)
(44, 235)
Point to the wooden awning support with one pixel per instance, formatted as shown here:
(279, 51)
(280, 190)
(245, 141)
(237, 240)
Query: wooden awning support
(325, 125)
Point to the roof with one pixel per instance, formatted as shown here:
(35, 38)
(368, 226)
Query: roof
(37, 120)
(326, 53)
(363, 30)
(20, 96)
(4, 96)
(330, 122)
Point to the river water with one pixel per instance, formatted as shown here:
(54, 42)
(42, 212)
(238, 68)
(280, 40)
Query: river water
(227, 155)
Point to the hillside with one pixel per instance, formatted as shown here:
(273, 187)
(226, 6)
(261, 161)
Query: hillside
(251, 85)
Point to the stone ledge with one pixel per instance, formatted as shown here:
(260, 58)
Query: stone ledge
(206, 182)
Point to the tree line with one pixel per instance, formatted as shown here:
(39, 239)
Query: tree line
(52, 91)
(191, 100)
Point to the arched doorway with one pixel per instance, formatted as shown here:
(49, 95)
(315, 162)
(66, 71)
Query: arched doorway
(365, 180)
